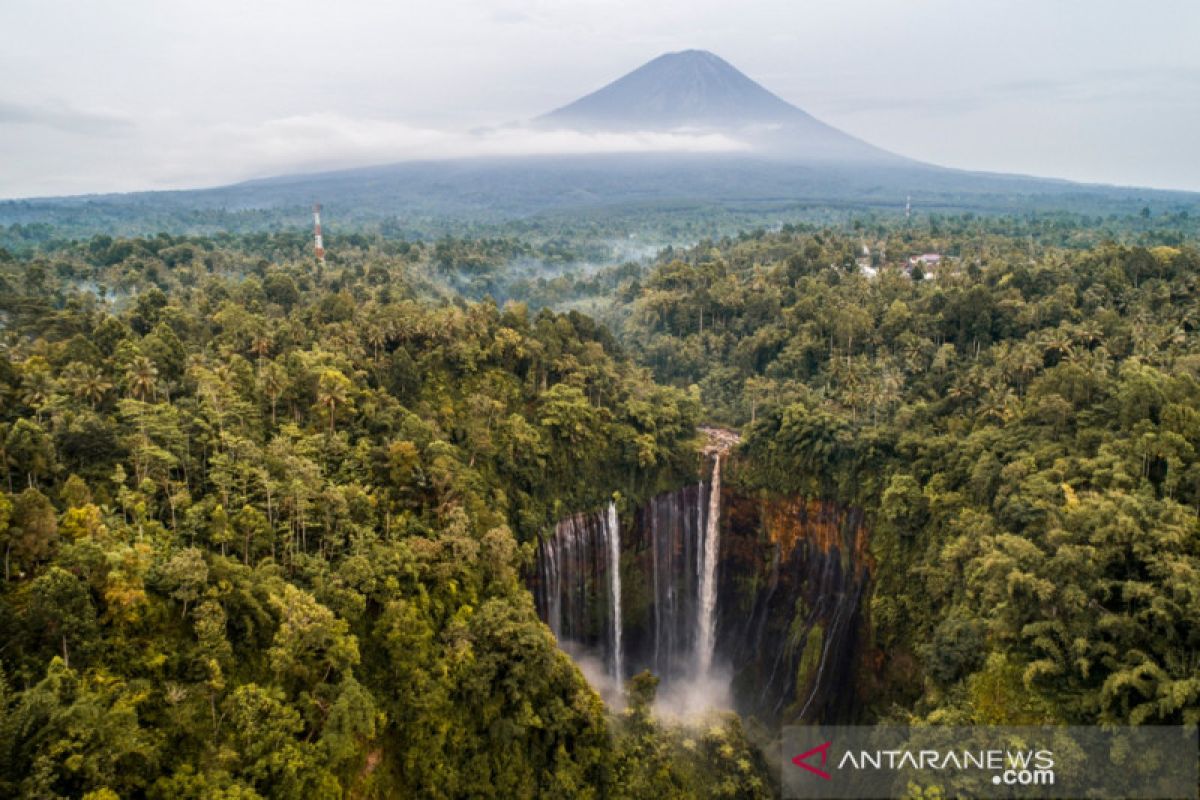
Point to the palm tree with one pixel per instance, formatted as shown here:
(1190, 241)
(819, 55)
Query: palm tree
(38, 389)
(87, 382)
(272, 380)
(1089, 333)
(892, 388)
(333, 391)
(142, 378)
(1058, 341)
(377, 337)
(962, 390)
(1000, 404)
(1027, 360)
(261, 345)
(914, 356)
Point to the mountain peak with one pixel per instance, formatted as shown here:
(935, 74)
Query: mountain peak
(690, 53)
(694, 55)
(683, 89)
(699, 90)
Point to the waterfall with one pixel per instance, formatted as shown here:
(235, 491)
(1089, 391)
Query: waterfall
(760, 611)
(552, 589)
(612, 531)
(668, 621)
(579, 587)
(709, 554)
(674, 523)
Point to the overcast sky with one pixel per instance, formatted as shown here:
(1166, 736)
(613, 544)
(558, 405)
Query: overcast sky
(147, 94)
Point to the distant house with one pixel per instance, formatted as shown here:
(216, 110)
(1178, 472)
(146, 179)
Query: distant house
(926, 262)
(864, 263)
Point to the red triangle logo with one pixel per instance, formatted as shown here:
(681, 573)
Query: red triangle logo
(802, 760)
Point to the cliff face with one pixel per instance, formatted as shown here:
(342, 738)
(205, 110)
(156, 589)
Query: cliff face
(791, 577)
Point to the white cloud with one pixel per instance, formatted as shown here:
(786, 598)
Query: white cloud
(333, 141)
(61, 116)
(177, 154)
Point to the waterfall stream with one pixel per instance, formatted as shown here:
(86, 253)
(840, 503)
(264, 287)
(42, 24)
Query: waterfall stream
(612, 530)
(579, 586)
(673, 529)
(709, 555)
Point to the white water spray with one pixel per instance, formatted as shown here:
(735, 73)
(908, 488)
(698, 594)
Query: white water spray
(707, 607)
(613, 535)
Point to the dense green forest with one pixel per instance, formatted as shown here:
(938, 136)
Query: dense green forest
(1022, 426)
(265, 523)
(263, 527)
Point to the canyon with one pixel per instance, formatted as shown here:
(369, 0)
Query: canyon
(732, 599)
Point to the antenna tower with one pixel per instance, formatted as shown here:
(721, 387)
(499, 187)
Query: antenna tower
(318, 242)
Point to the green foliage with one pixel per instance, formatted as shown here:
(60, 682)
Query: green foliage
(264, 528)
(1020, 428)
(264, 525)
(705, 757)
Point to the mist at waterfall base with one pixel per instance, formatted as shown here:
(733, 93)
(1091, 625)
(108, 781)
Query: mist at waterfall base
(579, 594)
(695, 695)
(685, 696)
(593, 668)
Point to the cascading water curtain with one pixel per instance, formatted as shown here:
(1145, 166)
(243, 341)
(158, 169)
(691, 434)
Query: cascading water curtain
(571, 562)
(710, 552)
(612, 528)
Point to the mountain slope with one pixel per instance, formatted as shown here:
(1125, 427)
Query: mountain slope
(696, 89)
(693, 87)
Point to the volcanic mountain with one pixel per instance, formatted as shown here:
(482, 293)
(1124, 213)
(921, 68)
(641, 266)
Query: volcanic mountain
(782, 161)
(695, 90)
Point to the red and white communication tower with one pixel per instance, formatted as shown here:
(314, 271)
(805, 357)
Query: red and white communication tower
(318, 242)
